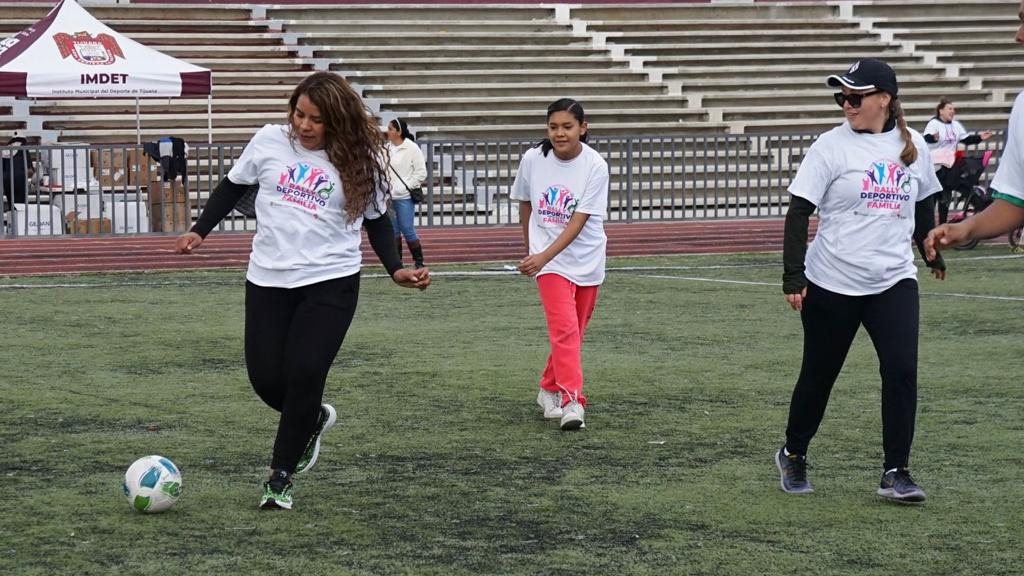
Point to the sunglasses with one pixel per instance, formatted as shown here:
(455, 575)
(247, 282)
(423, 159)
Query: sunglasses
(855, 100)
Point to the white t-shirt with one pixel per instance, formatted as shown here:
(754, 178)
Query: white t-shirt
(947, 136)
(1009, 178)
(303, 235)
(407, 160)
(865, 198)
(557, 189)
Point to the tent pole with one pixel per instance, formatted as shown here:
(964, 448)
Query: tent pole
(138, 124)
(209, 119)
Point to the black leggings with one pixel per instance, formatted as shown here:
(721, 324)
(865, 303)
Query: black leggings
(830, 323)
(292, 336)
(946, 177)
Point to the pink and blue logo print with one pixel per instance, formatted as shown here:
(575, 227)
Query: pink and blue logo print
(885, 186)
(306, 185)
(557, 205)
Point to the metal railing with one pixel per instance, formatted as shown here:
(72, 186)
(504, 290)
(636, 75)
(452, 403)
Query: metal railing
(111, 190)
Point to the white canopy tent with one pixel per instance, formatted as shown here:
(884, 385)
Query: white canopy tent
(70, 54)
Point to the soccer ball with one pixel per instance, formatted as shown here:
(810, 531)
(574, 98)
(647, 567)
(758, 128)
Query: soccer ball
(152, 484)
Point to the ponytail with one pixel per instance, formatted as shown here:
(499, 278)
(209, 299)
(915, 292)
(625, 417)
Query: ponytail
(909, 154)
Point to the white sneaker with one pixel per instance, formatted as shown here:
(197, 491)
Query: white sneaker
(550, 402)
(572, 416)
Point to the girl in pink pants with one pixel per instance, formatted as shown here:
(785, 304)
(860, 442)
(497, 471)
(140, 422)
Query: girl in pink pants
(562, 188)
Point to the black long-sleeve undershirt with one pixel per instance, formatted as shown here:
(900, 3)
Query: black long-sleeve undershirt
(971, 140)
(222, 200)
(794, 244)
(224, 197)
(382, 240)
(967, 141)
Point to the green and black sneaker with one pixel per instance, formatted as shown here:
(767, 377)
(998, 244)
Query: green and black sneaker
(328, 416)
(277, 491)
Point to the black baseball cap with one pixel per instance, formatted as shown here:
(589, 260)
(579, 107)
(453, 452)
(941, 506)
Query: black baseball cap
(867, 74)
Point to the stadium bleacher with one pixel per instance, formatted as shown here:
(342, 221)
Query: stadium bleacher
(487, 72)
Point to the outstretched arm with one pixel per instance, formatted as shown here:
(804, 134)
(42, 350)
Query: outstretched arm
(222, 200)
(999, 218)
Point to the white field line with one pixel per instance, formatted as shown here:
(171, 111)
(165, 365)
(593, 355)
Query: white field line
(779, 284)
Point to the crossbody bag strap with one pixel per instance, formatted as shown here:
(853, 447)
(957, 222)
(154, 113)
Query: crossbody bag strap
(407, 189)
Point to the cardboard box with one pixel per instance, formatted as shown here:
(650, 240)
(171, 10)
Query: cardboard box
(169, 209)
(127, 216)
(82, 206)
(142, 169)
(111, 167)
(67, 167)
(78, 225)
(34, 220)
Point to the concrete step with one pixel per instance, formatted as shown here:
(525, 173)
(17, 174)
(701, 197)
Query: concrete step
(532, 103)
(837, 61)
(705, 11)
(596, 128)
(754, 48)
(914, 110)
(816, 96)
(456, 50)
(261, 67)
(977, 122)
(641, 25)
(553, 89)
(536, 118)
(952, 11)
(201, 51)
(418, 12)
(159, 106)
(157, 121)
(428, 39)
(446, 77)
(769, 71)
(922, 34)
(907, 21)
(1013, 83)
(314, 28)
(712, 36)
(814, 81)
(478, 63)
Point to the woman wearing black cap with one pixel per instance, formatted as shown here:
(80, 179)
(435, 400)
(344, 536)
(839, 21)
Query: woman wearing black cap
(406, 171)
(868, 178)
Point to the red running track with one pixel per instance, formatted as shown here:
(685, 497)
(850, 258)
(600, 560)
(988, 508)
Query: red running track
(72, 255)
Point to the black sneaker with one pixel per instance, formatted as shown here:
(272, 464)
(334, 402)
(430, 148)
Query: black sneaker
(898, 486)
(277, 492)
(793, 473)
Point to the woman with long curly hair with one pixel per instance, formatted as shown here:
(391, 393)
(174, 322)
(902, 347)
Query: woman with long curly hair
(320, 180)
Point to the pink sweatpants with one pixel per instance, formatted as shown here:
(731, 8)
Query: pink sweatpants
(568, 308)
